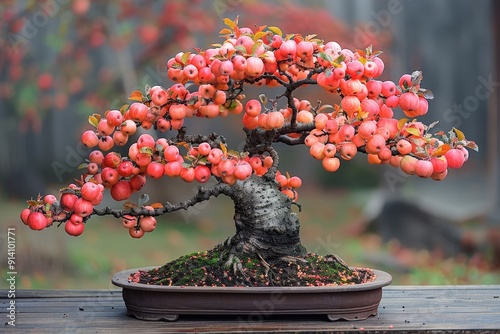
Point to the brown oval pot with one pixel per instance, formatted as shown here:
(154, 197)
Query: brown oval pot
(156, 302)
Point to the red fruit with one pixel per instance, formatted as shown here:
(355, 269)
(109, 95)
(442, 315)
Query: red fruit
(145, 140)
(90, 191)
(138, 111)
(253, 108)
(128, 127)
(147, 224)
(129, 221)
(294, 182)
(226, 167)
(172, 168)
(121, 190)
(424, 168)
(347, 150)
(346, 132)
(96, 157)
(407, 164)
(375, 144)
(76, 219)
(45, 81)
(331, 164)
(125, 168)
(243, 170)
(215, 156)
(404, 147)
(106, 143)
(177, 111)
(90, 139)
(202, 173)
(155, 170)
(83, 208)
(109, 176)
(371, 69)
(204, 149)
(367, 129)
(275, 120)
(350, 104)
(49, 199)
(137, 182)
(355, 69)
(74, 229)
(317, 150)
(439, 164)
(68, 201)
(288, 48)
(409, 102)
(388, 88)
(114, 117)
(24, 215)
(255, 66)
(455, 158)
(188, 174)
(136, 232)
(142, 159)
(171, 153)
(104, 129)
(112, 160)
(37, 221)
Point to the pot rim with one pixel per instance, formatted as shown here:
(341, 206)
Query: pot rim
(120, 279)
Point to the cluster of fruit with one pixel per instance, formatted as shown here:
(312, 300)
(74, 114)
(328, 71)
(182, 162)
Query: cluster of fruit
(363, 121)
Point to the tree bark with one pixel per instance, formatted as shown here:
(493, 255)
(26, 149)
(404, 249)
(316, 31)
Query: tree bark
(265, 222)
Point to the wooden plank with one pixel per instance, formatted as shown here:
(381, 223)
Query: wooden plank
(403, 308)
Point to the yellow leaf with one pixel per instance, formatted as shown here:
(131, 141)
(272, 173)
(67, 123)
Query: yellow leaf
(402, 123)
(460, 134)
(276, 30)
(413, 131)
(225, 31)
(224, 149)
(441, 150)
(136, 95)
(230, 23)
(93, 121)
(157, 205)
(124, 108)
(259, 35)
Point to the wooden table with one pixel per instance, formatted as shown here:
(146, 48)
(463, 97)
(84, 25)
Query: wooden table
(460, 309)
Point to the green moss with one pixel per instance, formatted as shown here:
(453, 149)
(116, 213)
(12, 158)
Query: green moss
(210, 269)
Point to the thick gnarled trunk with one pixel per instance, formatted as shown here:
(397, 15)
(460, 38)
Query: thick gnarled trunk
(265, 222)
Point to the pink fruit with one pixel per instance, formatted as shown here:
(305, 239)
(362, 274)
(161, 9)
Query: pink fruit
(455, 158)
(424, 168)
(74, 229)
(83, 208)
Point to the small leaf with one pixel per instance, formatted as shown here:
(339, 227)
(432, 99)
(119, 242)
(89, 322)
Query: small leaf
(124, 108)
(224, 149)
(441, 150)
(472, 145)
(185, 57)
(143, 199)
(93, 121)
(276, 30)
(325, 106)
(326, 57)
(136, 95)
(225, 31)
(233, 153)
(230, 23)
(433, 124)
(83, 165)
(259, 35)
(460, 134)
(129, 205)
(413, 131)
(402, 123)
(426, 93)
(147, 150)
(255, 46)
(263, 99)
(157, 205)
(416, 78)
(240, 49)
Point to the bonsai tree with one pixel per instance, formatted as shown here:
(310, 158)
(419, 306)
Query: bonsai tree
(363, 116)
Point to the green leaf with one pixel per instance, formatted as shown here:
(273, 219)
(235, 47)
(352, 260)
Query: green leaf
(185, 57)
(326, 57)
(147, 150)
(233, 153)
(83, 165)
(255, 46)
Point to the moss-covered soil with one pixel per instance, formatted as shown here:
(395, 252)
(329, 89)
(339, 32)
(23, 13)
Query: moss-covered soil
(209, 268)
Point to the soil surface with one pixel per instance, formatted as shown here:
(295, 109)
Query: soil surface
(211, 268)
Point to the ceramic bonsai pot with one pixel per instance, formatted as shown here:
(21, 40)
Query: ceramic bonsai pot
(153, 302)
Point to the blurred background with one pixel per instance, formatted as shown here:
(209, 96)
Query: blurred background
(63, 60)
